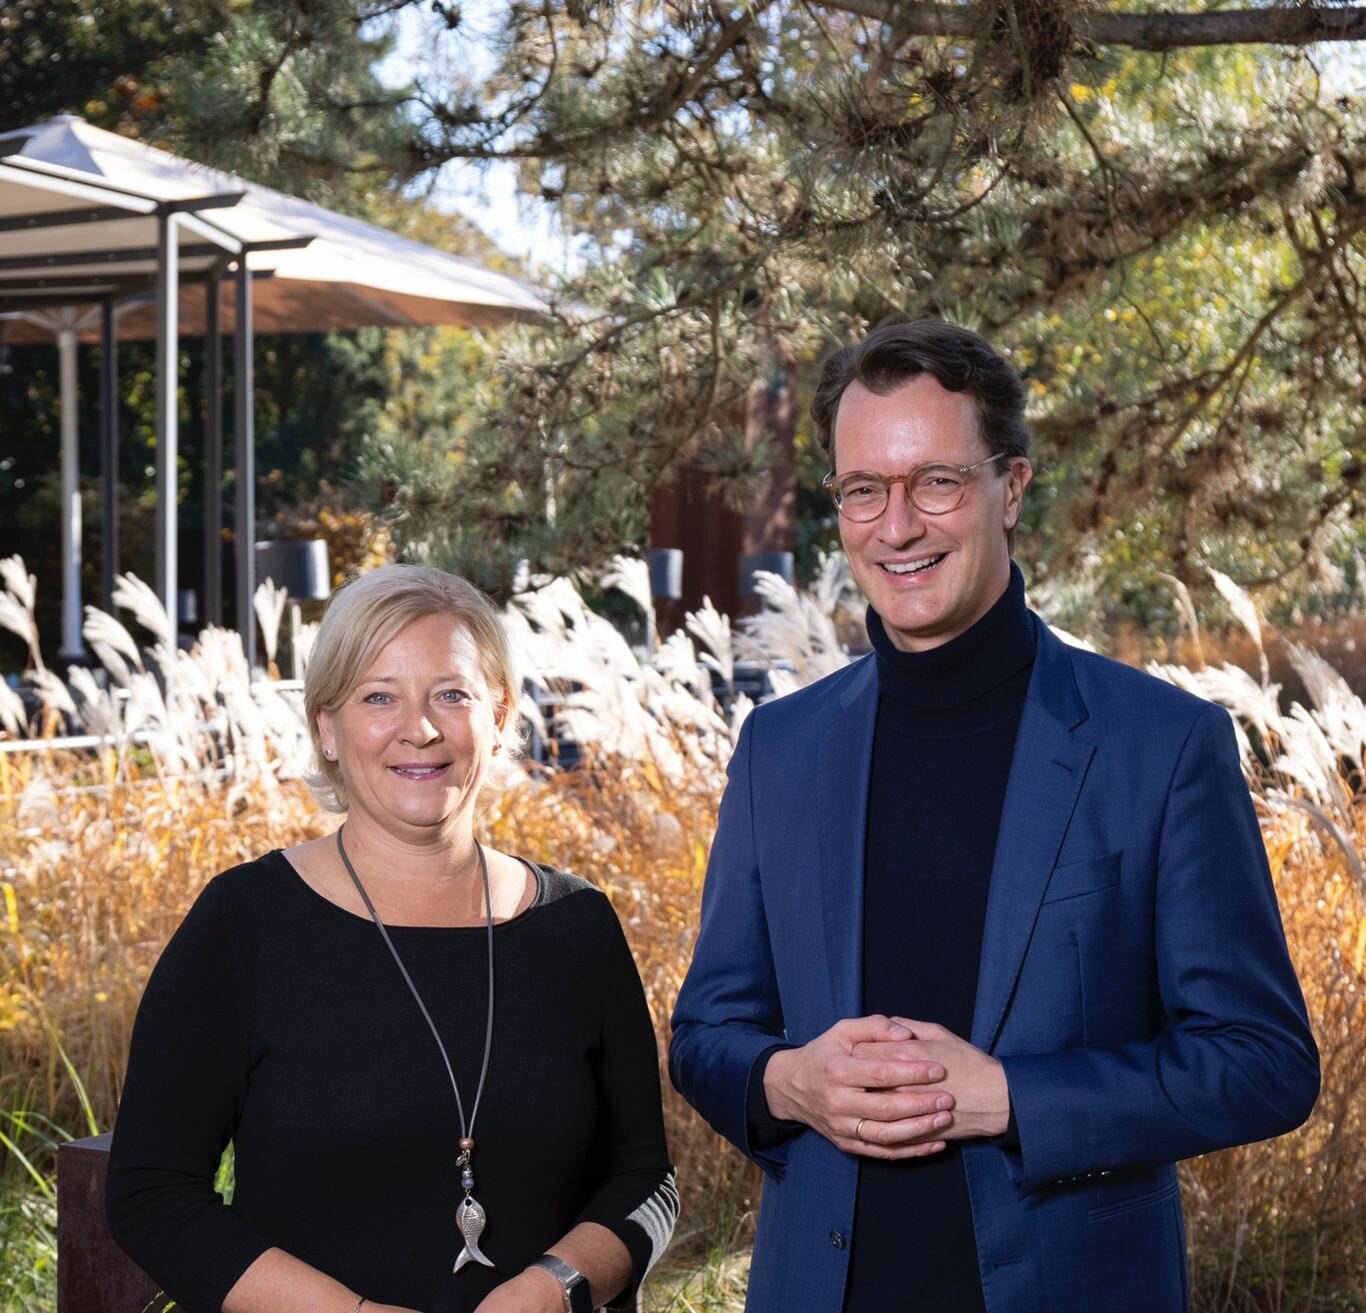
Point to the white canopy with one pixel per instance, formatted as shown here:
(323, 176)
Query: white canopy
(96, 228)
(350, 274)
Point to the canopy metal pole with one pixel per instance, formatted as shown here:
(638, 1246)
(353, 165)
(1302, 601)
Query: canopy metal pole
(109, 453)
(168, 357)
(68, 344)
(213, 453)
(244, 444)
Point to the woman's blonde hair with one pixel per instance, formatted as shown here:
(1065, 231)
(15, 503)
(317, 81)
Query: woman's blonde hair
(360, 619)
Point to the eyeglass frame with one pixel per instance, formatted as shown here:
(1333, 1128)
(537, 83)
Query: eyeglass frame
(828, 483)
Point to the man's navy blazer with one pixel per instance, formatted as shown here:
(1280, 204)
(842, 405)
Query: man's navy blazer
(1134, 981)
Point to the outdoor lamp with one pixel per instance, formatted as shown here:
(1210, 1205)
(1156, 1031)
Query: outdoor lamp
(666, 573)
(298, 565)
(301, 567)
(779, 563)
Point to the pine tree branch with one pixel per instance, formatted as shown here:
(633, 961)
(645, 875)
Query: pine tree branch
(1157, 31)
(1078, 237)
(1156, 475)
(294, 40)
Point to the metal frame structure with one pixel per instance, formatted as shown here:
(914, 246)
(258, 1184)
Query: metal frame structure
(106, 280)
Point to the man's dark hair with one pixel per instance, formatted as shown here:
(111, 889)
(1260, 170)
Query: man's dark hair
(958, 359)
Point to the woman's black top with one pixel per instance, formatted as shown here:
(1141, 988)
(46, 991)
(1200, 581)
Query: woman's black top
(278, 1020)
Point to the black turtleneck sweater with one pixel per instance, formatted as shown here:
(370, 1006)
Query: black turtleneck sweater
(946, 725)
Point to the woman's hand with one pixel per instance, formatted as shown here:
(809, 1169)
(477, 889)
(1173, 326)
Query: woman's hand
(532, 1291)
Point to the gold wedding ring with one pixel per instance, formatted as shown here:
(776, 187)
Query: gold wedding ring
(858, 1130)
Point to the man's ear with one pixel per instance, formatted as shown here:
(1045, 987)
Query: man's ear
(1017, 480)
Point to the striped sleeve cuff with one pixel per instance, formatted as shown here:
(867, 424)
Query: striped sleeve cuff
(646, 1233)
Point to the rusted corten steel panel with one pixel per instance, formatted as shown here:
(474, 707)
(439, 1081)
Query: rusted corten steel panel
(93, 1274)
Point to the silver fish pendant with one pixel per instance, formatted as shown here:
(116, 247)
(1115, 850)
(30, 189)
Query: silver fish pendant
(471, 1220)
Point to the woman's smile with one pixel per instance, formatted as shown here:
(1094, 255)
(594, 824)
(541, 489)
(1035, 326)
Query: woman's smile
(422, 771)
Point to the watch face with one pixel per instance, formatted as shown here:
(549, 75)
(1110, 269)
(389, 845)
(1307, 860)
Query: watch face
(577, 1296)
(580, 1299)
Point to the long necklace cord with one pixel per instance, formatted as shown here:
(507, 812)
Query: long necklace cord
(470, 1217)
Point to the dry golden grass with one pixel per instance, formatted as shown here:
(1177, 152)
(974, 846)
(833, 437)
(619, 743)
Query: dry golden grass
(1339, 640)
(95, 876)
(1282, 1224)
(714, 1286)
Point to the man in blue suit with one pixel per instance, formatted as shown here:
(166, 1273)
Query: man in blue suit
(988, 938)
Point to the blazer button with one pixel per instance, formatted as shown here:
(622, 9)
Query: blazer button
(837, 1239)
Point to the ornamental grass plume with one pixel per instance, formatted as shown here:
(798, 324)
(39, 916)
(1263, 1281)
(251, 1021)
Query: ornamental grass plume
(1282, 1224)
(794, 630)
(16, 605)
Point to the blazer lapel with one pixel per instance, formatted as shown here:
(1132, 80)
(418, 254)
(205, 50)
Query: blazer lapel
(843, 767)
(1047, 769)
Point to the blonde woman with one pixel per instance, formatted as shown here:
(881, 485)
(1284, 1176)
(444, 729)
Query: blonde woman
(434, 1060)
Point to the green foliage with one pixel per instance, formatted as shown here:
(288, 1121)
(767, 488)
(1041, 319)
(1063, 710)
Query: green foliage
(281, 91)
(28, 1239)
(28, 1209)
(285, 92)
(1169, 247)
(91, 58)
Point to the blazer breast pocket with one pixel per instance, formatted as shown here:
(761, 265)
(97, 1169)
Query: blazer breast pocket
(1089, 876)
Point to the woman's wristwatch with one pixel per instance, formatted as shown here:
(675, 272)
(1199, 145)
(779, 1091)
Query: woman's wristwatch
(577, 1297)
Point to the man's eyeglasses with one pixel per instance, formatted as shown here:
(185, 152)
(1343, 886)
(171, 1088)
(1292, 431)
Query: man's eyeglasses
(934, 489)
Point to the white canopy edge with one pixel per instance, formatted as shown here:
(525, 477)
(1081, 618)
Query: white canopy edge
(345, 249)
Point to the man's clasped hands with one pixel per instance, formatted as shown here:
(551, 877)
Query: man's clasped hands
(889, 1087)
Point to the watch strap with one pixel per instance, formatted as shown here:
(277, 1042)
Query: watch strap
(577, 1296)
